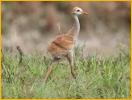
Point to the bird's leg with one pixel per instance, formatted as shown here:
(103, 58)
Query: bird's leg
(71, 62)
(50, 69)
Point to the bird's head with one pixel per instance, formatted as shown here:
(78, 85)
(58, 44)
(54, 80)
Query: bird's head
(78, 11)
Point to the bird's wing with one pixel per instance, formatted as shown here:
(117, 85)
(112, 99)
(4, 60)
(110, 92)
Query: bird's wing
(64, 41)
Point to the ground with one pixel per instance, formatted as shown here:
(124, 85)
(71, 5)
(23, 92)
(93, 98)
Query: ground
(96, 77)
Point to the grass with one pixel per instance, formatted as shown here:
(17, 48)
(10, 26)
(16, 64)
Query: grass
(96, 77)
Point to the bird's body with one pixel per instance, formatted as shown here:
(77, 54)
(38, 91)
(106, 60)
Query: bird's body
(63, 45)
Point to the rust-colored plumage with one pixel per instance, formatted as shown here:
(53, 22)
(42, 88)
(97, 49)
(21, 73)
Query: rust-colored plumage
(61, 45)
(64, 44)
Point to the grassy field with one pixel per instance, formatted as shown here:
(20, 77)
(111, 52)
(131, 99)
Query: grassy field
(96, 77)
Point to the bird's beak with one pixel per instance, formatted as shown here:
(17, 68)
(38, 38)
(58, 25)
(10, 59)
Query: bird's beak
(85, 13)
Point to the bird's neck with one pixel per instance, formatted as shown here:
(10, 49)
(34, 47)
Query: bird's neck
(75, 29)
(76, 26)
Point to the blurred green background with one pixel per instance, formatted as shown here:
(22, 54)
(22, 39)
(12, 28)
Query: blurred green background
(32, 25)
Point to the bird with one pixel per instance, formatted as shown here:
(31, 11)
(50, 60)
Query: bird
(63, 45)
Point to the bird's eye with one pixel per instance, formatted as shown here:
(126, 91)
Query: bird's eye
(78, 10)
